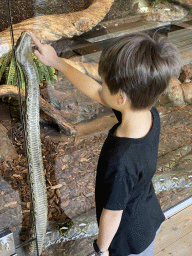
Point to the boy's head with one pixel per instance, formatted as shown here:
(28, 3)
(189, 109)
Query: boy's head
(141, 66)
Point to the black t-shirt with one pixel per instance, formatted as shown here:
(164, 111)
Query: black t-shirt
(124, 182)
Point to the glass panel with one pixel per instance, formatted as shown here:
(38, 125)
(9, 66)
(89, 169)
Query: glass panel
(74, 127)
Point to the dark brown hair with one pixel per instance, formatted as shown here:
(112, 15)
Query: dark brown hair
(140, 65)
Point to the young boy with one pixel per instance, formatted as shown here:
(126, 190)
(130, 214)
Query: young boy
(135, 70)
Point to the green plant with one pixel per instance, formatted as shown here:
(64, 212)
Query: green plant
(8, 68)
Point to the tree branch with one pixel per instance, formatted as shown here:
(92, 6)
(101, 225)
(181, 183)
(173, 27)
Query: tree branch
(9, 90)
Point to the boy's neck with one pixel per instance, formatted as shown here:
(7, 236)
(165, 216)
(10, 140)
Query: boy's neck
(135, 124)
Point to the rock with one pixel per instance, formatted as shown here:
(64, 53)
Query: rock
(186, 74)
(81, 113)
(7, 150)
(166, 12)
(175, 92)
(74, 106)
(163, 99)
(187, 92)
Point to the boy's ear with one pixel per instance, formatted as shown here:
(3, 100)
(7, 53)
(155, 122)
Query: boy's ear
(122, 98)
(126, 97)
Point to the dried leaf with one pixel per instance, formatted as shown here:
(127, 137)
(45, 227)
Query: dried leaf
(10, 204)
(58, 193)
(64, 166)
(84, 160)
(56, 186)
(17, 176)
(25, 211)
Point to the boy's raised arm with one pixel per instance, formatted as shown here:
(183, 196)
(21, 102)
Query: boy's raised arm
(82, 82)
(48, 56)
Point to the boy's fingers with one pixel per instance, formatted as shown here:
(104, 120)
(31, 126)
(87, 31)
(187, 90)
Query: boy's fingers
(35, 40)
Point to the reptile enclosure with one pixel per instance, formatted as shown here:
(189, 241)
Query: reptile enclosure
(78, 31)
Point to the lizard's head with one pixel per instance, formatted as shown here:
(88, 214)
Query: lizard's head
(23, 46)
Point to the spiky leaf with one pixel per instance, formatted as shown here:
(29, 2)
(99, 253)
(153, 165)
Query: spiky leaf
(2, 59)
(12, 72)
(7, 72)
(47, 76)
(5, 63)
(7, 66)
(15, 78)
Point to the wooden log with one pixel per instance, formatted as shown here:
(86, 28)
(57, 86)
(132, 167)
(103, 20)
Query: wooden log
(56, 26)
(8, 90)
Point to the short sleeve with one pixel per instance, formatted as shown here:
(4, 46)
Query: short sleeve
(118, 187)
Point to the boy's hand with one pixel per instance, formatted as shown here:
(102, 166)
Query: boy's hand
(44, 52)
(105, 254)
